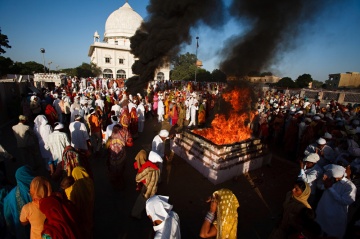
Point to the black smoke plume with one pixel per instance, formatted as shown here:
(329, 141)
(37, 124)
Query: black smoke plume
(168, 26)
(273, 26)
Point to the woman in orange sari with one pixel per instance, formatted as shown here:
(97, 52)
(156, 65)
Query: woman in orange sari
(30, 213)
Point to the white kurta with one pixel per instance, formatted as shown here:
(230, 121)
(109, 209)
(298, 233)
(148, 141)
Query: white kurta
(57, 141)
(79, 135)
(160, 111)
(168, 229)
(333, 207)
(158, 146)
(116, 108)
(42, 131)
(140, 111)
(311, 176)
(108, 131)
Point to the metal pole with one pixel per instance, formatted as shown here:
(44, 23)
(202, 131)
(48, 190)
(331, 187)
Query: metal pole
(42, 50)
(197, 46)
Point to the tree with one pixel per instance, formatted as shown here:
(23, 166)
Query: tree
(317, 84)
(286, 82)
(203, 75)
(87, 70)
(218, 76)
(4, 42)
(5, 65)
(304, 80)
(183, 67)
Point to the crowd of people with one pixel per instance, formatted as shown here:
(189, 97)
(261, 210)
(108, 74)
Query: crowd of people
(60, 130)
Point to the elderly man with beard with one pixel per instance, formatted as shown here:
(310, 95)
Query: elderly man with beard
(56, 143)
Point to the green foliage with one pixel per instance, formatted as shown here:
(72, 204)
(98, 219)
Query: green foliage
(5, 64)
(183, 67)
(203, 75)
(218, 76)
(286, 82)
(84, 70)
(317, 84)
(4, 43)
(304, 80)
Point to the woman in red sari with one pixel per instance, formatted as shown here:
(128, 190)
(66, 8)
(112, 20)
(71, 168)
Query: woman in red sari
(116, 145)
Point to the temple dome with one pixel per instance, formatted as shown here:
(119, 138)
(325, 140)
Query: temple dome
(123, 22)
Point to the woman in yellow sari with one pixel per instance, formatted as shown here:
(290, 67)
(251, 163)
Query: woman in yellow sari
(81, 193)
(222, 219)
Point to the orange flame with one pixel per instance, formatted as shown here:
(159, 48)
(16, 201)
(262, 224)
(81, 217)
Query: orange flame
(236, 128)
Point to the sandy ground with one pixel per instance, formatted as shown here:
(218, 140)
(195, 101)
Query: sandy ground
(260, 193)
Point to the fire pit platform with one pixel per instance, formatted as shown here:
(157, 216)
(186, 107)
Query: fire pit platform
(219, 163)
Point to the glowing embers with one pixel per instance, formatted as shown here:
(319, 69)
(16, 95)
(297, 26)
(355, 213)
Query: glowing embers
(235, 127)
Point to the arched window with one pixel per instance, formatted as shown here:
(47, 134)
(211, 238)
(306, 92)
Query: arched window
(121, 74)
(107, 73)
(160, 76)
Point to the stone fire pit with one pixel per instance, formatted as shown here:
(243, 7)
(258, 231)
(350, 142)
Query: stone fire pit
(219, 163)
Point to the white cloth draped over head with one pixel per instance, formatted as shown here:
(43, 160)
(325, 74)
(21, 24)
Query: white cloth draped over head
(154, 157)
(42, 130)
(158, 207)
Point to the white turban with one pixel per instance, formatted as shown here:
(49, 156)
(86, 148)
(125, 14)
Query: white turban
(335, 170)
(154, 157)
(321, 141)
(158, 207)
(313, 158)
(164, 133)
(327, 136)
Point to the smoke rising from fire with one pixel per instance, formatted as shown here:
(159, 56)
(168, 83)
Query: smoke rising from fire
(167, 27)
(274, 24)
(272, 27)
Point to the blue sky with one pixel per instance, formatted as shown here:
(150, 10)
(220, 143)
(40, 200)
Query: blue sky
(330, 44)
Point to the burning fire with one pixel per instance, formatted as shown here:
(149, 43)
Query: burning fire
(236, 128)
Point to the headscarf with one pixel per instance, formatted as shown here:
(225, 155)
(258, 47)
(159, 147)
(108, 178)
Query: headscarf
(155, 157)
(60, 221)
(81, 193)
(39, 188)
(227, 216)
(140, 158)
(158, 207)
(16, 199)
(304, 196)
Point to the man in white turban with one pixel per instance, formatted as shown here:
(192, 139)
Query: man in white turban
(56, 143)
(333, 206)
(166, 222)
(311, 172)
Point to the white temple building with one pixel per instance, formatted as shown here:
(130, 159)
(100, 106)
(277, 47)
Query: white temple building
(112, 54)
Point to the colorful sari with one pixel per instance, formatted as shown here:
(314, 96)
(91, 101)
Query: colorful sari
(15, 200)
(227, 216)
(134, 122)
(72, 158)
(120, 137)
(201, 114)
(81, 193)
(61, 221)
